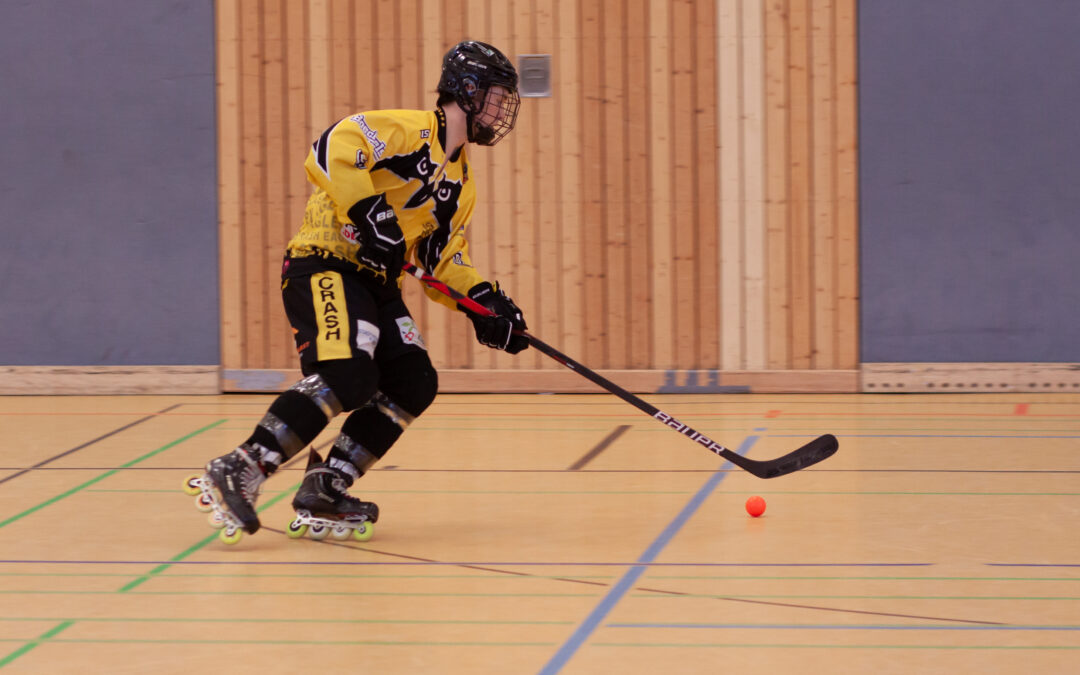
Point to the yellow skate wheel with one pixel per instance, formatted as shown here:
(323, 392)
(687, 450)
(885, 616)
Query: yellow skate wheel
(364, 532)
(296, 529)
(216, 520)
(318, 532)
(191, 484)
(204, 502)
(231, 535)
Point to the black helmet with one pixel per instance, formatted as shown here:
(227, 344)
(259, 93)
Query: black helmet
(470, 69)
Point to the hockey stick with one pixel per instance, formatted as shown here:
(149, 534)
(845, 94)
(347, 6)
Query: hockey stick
(813, 452)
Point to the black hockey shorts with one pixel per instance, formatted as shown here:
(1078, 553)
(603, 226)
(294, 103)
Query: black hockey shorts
(339, 315)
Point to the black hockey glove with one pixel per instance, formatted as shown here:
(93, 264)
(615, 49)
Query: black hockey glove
(497, 331)
(382, 244)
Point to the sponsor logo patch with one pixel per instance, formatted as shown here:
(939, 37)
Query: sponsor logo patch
(367, 336)
(410, 334)
(377, 146)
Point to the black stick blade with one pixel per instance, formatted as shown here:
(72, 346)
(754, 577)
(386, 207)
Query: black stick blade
(817, 450)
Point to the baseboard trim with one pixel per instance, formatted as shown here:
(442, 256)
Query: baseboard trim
(870, 378)
(93, 380)
(970, 377)
(565, 381)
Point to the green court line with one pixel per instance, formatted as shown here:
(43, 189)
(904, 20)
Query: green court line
(333, 594)
(306, 643)
(333, 621)
(818, 645)
(537, 577)
(44, 637)
(66, 624)
(359, 576)
(177, 558)
(105, 475)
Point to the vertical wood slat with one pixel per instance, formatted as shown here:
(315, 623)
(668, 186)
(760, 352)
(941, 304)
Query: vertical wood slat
(592, 166)
(299, 134)
(279, 338)
(547, 201)
(754, 338)
(660, 187)
(708, 191)
(684, 224)
(730, 216)
(524, 207)
(254, 193)
(342, 92)
(319, 64)
(566, 73)
(800, 288)
(474, 24)
(690, 186)
(847, 273)
(776, 148)
(637, 289)
(230, 200)
(823, 169)
(501, 158)
(615, 244)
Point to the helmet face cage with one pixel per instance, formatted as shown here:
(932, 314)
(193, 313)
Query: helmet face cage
(496, 116)
(484, 83)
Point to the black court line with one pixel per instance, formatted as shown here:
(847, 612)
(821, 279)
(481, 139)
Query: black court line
(643, 589)
(603, 445)
(87, 444)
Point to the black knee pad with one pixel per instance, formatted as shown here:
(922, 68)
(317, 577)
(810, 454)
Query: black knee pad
(354, 381)
(410, 381)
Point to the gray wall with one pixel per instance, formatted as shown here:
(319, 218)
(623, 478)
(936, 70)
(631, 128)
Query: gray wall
(970, 180)
(108, 183)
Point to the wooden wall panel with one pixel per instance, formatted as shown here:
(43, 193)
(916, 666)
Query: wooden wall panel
(663, 269)
(686, 200)
(635, 289)
(230, 201)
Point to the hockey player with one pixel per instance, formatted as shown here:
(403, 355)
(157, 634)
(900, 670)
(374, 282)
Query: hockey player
(390, 185)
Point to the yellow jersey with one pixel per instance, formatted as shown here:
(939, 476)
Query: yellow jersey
(398, 154)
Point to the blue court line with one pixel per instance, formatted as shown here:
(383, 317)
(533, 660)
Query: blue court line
(781, 626)
(627, 582)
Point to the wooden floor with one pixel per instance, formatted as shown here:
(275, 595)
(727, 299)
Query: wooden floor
(556, 534)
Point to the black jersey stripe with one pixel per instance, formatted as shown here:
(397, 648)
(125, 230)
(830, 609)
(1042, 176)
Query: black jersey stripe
(321, 148)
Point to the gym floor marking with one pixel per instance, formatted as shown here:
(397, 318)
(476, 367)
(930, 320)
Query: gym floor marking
(519, 548)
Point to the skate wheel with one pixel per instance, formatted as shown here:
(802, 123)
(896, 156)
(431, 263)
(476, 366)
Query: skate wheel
(296, 529)
(318, 532)
(231, 535)
(365, 532)
(192, 484)
(204, 502)
(216, 520)
(341, 532)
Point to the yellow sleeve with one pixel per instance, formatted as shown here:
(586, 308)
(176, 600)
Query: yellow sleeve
(455, 269)
(340, 162)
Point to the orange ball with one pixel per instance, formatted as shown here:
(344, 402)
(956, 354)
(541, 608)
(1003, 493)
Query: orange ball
(755, 506)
